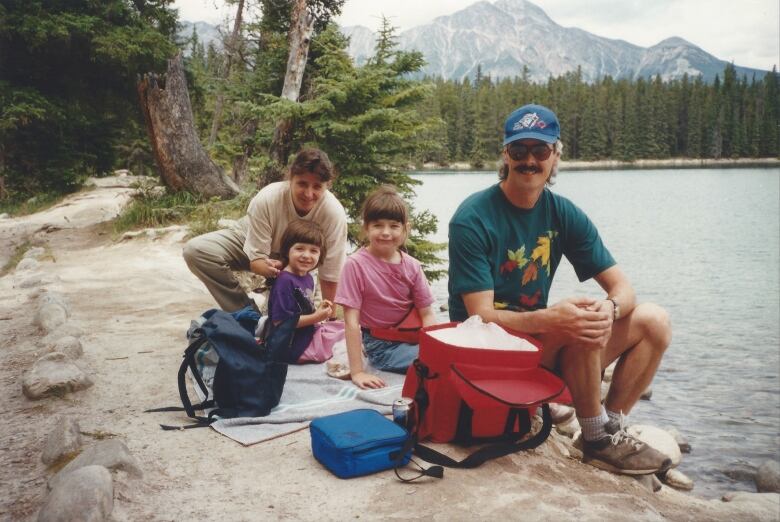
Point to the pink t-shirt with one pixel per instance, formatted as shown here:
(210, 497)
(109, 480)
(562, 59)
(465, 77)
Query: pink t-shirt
(383, 292)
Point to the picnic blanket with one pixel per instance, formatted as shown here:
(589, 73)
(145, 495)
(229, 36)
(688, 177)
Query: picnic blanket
(310, 393)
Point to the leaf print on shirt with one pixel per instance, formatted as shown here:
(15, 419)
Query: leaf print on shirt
(516, 259)
(530, 273)
(530, 302)
(542, 251)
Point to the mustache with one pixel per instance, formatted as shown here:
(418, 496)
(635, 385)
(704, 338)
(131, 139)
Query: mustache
(526, 168)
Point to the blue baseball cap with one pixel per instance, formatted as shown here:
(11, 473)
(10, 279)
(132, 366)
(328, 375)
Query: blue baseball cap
(534, 122)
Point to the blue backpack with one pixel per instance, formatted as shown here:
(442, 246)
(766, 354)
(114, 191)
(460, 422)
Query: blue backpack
(237, 376)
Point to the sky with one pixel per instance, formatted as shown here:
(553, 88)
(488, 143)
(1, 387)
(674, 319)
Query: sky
(745, 32)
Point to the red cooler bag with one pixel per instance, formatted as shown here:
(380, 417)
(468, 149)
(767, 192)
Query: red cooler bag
(475, 395)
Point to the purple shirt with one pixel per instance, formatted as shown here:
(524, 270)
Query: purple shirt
(383, 292)
(282, 305)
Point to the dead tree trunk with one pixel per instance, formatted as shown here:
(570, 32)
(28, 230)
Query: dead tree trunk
(183, 163)
(301, 31)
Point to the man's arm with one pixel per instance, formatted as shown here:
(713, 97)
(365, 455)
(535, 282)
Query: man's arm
(618, 288)
(571, 318)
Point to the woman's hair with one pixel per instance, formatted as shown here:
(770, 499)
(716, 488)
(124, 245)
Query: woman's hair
(503, 169)
(384, 203)
(302, 231)
(312, 161)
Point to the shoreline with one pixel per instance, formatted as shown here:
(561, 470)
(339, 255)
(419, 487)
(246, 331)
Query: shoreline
(670, 163)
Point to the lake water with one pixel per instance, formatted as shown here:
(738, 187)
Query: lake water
(704, 244)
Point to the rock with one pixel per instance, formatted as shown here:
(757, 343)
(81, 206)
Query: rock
(677, 479)
(650, 482)
(53, 375)
(682, 440)
(444, 307)
(47, 297)
(87, 494)
(768, 477)
(4, 215)
(27, 263)
(568, 428)
(122, 172)
(741, 471)
(608, 371)
(110, 453)
(63, 441)
(604, 390)
(70, 346)
(50, 316)
(34, 252)
(561, 413)
(66, 330)
(647, 394)
(658, 439)
(755, 506)
(31, 281)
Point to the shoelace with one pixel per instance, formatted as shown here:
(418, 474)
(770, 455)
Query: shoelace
(622, 435)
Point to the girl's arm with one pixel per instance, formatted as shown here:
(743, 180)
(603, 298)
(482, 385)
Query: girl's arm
(427, 316)
(322, 313)
(355, 351)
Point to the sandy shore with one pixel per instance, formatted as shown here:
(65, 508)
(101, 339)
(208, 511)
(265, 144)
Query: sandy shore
(134, 300)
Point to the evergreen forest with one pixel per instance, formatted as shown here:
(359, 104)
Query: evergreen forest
(69, 107)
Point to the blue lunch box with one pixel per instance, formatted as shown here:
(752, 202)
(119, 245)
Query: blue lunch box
(357, 442)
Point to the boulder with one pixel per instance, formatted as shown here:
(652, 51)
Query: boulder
(110, 453)
(755, 506)
(27, 263)
(66, 330)
(650, 482)
(768, 477)
(682, 440)
(85, 495)
(53, 375)
(677, 479)
(647, 394)
(4, 215)
(65, 440)
(35, 252)
(32, 281)
(68, 345)
(45, 297)
(658, 439)
(50, 316)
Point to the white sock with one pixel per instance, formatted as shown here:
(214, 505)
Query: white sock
(614, 417)
(593, 427)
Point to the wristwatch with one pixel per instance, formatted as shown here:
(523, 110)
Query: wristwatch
(615, 308)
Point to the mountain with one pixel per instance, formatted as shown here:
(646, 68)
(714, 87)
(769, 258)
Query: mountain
(207, 33)
(504, 36)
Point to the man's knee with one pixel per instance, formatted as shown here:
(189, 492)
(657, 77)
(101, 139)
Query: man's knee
(655, 323)
(192, 252)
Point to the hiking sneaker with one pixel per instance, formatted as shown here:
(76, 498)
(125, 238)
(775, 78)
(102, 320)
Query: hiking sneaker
(621, 452)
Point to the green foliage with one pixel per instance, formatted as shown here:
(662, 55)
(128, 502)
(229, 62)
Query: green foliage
(610, 119)
(67, 93)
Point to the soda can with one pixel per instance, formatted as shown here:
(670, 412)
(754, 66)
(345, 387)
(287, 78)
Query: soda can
(403, 414)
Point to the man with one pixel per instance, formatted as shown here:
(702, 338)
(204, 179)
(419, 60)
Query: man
(505, 244)
(254, 242)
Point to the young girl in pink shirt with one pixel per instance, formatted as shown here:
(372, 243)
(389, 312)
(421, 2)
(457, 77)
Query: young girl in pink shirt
(379, 285)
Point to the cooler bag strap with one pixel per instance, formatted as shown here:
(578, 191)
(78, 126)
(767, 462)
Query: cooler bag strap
(491, 451)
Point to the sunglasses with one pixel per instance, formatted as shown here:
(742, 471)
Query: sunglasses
(519, 151)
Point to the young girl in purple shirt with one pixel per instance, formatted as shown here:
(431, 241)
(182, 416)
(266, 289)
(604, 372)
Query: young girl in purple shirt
(303, 249)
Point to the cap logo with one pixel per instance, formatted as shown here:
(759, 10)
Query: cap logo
(529, 121)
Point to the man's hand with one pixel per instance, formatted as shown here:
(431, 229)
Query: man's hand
(582, 321)
(266, 267)
(365, 380)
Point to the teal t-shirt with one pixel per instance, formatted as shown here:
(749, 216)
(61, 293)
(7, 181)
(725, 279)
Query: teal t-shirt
(515, 252)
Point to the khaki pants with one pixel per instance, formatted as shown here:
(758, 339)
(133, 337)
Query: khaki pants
(212, 257)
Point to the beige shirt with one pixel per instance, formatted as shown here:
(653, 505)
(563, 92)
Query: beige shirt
(272, 209)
